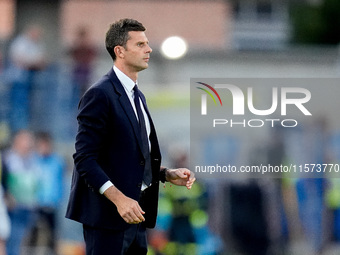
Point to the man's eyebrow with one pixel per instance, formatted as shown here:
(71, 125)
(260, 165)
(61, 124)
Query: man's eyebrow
(147, 42)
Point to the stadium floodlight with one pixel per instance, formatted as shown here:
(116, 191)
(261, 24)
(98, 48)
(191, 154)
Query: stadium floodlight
(174, 47)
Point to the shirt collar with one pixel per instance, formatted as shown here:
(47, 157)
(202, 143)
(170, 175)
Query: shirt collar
(124, 79)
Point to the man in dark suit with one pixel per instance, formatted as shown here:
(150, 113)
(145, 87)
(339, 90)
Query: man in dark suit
(115, 183)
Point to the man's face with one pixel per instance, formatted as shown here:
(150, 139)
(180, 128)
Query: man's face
(23, 143)
(137, 51)
(44, 147)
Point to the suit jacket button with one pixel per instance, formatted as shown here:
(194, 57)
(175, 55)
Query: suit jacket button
(142, 163)
(139, 185)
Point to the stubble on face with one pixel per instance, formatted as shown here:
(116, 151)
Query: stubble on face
(137, 51)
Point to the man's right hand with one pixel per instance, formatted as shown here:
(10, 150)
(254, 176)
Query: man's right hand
(128, 208)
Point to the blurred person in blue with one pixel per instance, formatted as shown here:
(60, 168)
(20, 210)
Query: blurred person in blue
(50, 188)
(4, 219)
(311, 192)
(26, 59)
(21, 182)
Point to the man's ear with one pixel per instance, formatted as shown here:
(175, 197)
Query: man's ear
(119, 51)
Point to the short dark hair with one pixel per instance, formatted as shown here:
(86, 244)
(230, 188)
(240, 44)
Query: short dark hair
(43, 136)
(118, 34)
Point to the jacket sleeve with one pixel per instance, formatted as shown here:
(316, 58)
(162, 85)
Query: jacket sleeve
(92, 130)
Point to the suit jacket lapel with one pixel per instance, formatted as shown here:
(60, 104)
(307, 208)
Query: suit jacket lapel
(126, 105)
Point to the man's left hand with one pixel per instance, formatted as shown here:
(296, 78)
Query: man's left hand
(181, 177)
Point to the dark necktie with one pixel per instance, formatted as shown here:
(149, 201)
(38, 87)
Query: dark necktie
(147, 177)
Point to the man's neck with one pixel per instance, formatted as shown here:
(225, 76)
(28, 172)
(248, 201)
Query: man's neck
(132, 75)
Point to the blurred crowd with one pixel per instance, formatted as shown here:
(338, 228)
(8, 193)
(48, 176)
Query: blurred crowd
(258, 216)
(30, 80)
(32, 173)
(31, 188)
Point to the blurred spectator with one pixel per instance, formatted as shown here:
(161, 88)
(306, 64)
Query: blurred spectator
(21, 185)
(248, 223)
(4, 220)
(4, 226)
(83, 54)
(311, 192)
(333, 192)
(26, 59)
(3, 96)
(182, 221)
(181, 231)
(50, 188)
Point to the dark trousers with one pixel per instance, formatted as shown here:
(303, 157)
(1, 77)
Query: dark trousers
(131, 241)
(46, 216)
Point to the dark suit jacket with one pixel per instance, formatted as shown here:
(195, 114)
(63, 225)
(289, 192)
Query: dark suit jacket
(108, 147)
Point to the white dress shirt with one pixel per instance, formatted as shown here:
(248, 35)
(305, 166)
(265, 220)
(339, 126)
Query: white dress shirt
(128, 85)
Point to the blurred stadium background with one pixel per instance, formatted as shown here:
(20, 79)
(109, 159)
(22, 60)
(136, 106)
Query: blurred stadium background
(224, 38)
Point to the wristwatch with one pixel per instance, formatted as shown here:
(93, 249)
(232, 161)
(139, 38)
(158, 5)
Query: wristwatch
(162, 174)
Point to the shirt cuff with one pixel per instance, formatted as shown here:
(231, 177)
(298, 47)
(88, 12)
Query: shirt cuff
(106, 185)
